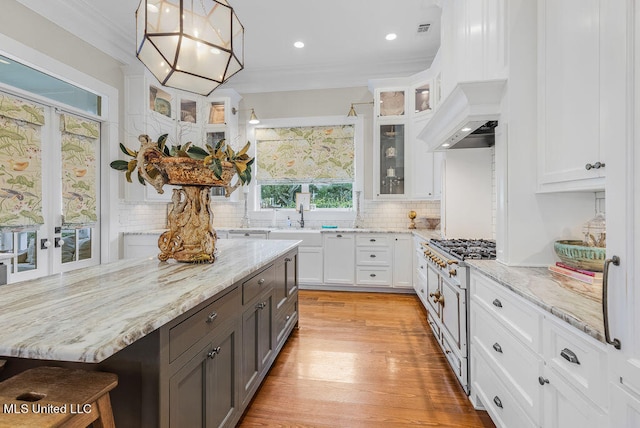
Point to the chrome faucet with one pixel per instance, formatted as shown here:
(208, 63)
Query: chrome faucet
(301, 221)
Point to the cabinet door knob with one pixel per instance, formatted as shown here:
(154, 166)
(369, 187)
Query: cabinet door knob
(497, 303)
(372, 275)
(542, 380)
(569, 355)
(212, 354)
(212, 316)
(261, 281)
(497, 347)
(498, 402)
(288, 259)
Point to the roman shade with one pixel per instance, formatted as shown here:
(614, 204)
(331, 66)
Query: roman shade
(305, 154)
(20, 162)
(80, 141)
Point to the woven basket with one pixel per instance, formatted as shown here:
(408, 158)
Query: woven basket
(578, 255)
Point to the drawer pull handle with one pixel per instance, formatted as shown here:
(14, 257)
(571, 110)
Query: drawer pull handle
(288, 259)
(497, 303)
(569, 355)
(372, 240)
(212, 316)
(261, 281)
(542, 380)
(212, 354)
(498, 402)
(338, 236)
(372, 275)
(373, 256)
(261, 305)
(497, 347)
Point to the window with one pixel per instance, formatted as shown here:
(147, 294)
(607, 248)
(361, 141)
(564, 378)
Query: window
(319, 160)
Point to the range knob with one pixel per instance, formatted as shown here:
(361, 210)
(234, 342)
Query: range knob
(452, 272)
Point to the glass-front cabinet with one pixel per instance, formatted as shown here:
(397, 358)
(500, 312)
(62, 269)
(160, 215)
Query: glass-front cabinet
(391, 168)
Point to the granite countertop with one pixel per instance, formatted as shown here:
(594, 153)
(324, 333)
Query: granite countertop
(89, 314)
(573, 301)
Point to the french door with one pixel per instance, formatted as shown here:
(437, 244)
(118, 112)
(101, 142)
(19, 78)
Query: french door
(58, 168)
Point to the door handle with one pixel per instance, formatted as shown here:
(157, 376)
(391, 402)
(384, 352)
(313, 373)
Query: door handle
(615, 260)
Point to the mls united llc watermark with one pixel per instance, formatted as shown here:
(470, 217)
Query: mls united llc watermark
(70, 408)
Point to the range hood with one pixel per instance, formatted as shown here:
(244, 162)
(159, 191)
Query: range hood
(466, 118)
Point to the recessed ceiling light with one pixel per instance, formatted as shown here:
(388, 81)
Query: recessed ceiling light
(391, 36)
(466, 129)
(446, 145)
(298, 44)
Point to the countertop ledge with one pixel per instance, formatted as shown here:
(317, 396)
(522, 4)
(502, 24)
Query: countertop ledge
(550, 292)
(89, 314)
(422, 233)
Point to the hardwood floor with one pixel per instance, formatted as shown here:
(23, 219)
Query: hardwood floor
(361, 360)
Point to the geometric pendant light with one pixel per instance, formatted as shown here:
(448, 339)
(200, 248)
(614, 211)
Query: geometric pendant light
(194, 45)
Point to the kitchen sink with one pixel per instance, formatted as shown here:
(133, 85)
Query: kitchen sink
(309, 237)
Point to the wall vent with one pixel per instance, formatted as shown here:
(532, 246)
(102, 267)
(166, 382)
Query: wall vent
(423, 28)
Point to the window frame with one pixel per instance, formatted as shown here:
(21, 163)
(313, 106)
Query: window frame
(294, 122)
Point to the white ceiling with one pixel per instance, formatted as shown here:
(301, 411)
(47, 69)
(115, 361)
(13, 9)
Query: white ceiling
(345, 44)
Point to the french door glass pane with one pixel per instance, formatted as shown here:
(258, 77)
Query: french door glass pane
(77, 244)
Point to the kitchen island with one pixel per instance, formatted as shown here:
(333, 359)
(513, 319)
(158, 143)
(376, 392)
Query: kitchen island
(150, 322)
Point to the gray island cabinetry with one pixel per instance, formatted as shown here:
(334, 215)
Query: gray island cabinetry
(190, 343)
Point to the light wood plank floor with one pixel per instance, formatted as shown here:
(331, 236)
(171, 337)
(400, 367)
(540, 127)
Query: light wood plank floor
(361, 360)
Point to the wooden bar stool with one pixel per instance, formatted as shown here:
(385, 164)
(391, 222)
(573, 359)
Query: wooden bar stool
(57, 397)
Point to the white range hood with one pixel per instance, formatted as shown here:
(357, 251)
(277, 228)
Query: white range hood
(469, 106)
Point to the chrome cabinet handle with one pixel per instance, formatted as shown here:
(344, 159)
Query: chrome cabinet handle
(497, 347)
(569, 355)
(373, 256)
(372, 240)
(261, 305)
(596, 165)
(261, 281)
(615, 260)
(498, 402)
(372, 275)
(542, 380)
(212, 316)
(288, 259)
(497, 303)
(338, 236)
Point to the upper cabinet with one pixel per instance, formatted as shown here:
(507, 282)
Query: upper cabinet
(578, 76)
(155, 110)
(403, 169)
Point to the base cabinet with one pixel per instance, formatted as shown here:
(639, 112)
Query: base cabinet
(529, 368)
(218, 354)
(204, 393)
(339, 259)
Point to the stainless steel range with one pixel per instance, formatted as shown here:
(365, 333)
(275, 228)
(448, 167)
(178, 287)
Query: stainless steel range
(442, 286)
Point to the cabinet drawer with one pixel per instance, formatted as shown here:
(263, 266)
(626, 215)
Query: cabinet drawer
(516, 365)
(498, 401)
(373, 256)
(373, 240)
(580, 361)
(257, 284)
(373, 276)
(287, 316)
(188, 332)
(523, 320)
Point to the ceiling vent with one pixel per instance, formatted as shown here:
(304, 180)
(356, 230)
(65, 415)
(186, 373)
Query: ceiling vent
(423, 28)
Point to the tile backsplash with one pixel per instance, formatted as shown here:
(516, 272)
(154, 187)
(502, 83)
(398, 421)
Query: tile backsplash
(376, 214)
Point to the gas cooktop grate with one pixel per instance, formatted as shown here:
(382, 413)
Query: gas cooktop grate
(467, 249)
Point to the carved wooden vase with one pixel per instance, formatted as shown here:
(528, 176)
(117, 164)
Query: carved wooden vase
(191, 237)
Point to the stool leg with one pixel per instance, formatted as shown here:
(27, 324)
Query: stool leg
(106, 413)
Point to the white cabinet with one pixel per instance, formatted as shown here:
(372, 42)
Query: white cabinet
(374, 254)
(402, 261)
(310, 265)
(256, 234)
(544, 372)
(625, 407)
(156, 110)
(403, 168)
(339, 258)
(581, 66)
